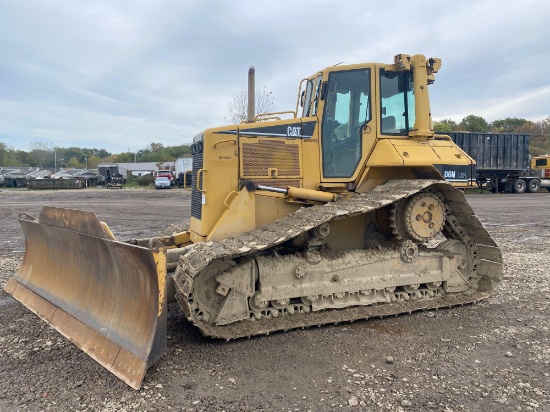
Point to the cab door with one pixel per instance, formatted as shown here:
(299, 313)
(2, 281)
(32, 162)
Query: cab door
(346, 115)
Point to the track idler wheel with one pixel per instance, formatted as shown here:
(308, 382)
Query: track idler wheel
(466, 266)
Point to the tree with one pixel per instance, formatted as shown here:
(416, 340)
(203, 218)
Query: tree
(540, 135)
(46, 146)
(73, 163)
(474, 123)
(154, 147)
(508, 125)
(42, 153)
(238, 107)
(175, 152)
(125, 157)
(45, 154)
(445, 126)
(3, 154)
(20, 158)
(93, 161)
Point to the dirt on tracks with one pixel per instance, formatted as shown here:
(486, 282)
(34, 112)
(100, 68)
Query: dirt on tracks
(491, 356)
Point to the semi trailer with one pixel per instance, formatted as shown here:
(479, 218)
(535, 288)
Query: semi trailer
(503, 163)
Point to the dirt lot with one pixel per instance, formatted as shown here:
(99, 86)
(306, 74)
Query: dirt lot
(491, 356)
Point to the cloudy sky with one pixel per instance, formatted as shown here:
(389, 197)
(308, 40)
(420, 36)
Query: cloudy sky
(122, 74)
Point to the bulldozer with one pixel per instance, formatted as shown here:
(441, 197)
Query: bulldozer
(333, 212)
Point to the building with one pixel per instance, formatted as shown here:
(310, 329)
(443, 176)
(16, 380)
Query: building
(138, 169)
(18, 176)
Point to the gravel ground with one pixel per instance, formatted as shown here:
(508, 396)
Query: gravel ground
(491, 356)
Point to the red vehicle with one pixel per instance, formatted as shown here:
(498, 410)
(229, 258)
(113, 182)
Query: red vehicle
(166, 173)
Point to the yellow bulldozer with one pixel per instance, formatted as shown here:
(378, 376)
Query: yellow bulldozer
(338, 213)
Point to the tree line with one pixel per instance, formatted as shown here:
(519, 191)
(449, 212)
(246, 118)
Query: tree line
(48, 156)
(539, 130)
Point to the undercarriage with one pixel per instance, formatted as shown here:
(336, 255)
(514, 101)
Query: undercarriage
(405, 246)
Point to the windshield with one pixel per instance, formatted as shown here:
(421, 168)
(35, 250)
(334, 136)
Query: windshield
(160, 179)
(347, 110)
(397, 114)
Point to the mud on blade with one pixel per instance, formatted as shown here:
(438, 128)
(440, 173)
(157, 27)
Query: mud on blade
(106, 296)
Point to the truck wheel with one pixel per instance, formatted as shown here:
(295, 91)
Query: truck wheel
(519, 186)
(533, 185)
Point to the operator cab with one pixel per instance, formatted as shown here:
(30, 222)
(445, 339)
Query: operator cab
(355, 95)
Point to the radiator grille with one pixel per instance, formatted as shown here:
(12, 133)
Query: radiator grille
(259, 157)
(196, 195)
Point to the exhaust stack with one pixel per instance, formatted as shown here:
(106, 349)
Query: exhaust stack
(251, 115)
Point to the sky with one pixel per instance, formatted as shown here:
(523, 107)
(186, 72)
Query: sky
(121, 74)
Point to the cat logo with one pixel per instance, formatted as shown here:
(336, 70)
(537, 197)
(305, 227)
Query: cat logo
(449, 174)
(293, 131)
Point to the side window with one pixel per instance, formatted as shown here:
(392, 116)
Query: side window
(307, 100)
(397, 110)
(347, 110)
(317, 93)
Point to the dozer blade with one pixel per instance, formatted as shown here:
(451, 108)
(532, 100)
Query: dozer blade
(106, 296)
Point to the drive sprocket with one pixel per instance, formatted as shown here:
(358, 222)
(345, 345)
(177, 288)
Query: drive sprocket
(420, 217)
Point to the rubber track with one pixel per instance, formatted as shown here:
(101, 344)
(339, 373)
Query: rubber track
(489, 270)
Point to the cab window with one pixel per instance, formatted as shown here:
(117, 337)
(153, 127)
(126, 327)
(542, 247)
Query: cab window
(317, 94)
(397, 114)
(347, 110)
(307, 99)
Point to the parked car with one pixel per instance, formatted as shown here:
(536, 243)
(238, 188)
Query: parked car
(166, 173)
(162, 182)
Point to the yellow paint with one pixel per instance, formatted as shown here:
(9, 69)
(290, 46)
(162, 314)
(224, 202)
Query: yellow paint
(262, 152)
(220, 176)
(308, 194)
(543, 162)
(182, 238)
(159, 257)
(423, 117)
(107, 229)
(239, 217)
(385, 154)
(271, 206)
(376, 176)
